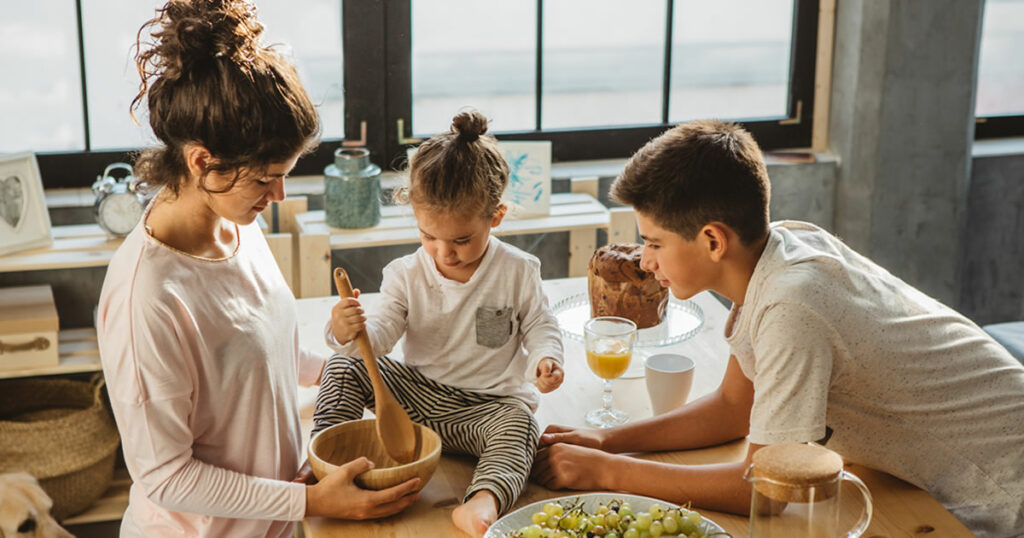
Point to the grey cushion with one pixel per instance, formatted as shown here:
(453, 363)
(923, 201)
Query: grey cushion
(1011, 335)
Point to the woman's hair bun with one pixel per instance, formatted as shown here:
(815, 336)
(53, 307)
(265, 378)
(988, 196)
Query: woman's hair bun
(190, 32)
(469, 125)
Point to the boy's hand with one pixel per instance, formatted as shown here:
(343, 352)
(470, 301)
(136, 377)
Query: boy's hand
(549, 375)
(347, 318)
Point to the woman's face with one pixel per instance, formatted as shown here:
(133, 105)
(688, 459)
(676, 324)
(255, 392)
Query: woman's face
(251, 194)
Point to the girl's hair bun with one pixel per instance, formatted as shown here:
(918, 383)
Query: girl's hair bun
(469, 125)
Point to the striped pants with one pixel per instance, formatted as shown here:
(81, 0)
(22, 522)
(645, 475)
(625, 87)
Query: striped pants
(501, 431)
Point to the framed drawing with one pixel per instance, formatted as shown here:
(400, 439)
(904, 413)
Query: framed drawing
(24, 219)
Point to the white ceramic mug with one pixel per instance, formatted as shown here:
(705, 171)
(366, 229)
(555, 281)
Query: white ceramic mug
(669, 378)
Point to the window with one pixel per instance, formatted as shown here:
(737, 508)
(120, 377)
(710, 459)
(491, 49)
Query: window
(40, 90)
(79, 124)
(596, 77)
(999, 104)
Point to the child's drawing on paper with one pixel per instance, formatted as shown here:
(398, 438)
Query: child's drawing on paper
(529, 181)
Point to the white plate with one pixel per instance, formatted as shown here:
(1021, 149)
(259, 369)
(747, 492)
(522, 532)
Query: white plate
(683, 320)
(522, 517)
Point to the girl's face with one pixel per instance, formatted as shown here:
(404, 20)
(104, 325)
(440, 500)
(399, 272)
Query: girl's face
(251, 193)
(455, 241)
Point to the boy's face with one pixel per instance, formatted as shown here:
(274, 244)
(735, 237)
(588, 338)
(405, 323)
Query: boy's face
(679, 264)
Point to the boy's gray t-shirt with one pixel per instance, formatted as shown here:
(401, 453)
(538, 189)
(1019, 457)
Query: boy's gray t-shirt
(907, 385)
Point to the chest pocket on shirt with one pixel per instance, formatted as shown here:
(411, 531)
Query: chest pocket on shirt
(493, 326)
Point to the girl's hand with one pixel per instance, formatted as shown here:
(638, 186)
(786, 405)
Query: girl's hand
(338, 496)
(549, 375)
(347, 318)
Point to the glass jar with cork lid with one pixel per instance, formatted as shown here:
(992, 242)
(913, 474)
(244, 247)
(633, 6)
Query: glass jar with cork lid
(796, 490)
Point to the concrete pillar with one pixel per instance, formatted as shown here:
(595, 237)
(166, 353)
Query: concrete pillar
(902, 124)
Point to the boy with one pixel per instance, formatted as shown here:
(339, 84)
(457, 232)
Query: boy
(826, 346)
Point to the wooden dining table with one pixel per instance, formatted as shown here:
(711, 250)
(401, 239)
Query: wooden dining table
(900, 509)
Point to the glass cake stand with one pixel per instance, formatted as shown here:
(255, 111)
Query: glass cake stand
(683, 319)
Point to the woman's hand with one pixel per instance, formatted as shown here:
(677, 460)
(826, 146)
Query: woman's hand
(347, 318)
(549, 375)
(338, 496)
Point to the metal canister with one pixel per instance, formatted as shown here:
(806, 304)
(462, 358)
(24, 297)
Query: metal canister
(352, 190)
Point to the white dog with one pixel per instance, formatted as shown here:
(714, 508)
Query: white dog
(25, 509)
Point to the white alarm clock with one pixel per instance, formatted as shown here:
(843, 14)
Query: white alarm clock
(119, 202)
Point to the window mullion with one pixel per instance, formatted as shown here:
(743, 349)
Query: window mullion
(81, 75)
(540, 64)
(667, 77)
(365, 74)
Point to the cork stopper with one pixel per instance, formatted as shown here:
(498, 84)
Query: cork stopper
(796, 472)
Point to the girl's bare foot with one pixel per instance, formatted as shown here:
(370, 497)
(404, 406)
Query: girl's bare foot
(476, 514)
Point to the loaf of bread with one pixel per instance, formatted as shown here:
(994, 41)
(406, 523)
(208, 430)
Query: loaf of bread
(618, 287)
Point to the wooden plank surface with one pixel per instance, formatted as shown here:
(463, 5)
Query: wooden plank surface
(569, 211)
(900, 509)
(578, 213)
(79, 245)
(74, 246)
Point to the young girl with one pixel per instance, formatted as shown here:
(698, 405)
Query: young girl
(467, 304)
(197, 328)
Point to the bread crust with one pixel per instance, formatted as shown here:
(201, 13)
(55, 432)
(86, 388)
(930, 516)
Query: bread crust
(619, 287)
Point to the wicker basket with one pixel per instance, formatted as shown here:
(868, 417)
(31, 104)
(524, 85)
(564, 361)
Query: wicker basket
(60, 431)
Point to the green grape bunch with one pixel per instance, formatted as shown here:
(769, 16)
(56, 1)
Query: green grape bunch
(615, 519)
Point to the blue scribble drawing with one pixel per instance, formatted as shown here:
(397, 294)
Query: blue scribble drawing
(525, 178)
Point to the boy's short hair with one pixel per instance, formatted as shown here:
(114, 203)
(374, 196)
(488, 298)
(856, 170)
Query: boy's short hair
(696, 173)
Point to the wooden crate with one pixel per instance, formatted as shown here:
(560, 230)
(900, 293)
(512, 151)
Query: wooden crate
(28, 328)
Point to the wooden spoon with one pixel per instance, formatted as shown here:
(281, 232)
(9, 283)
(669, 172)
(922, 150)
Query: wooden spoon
(395, 429)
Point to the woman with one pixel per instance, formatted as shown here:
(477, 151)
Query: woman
(197, 328)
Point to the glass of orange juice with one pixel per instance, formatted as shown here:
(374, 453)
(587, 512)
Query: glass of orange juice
(609, 342)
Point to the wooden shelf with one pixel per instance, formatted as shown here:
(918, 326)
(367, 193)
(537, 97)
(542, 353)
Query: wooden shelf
(78, 353)
(78, 245)
(398, 226)
(74, 246)
(109, 507)
(578, 212)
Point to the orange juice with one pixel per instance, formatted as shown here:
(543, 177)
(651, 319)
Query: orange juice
(609, 364)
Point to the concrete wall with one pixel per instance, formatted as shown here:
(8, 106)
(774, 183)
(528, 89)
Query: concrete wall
(993, 256)
(902, 122)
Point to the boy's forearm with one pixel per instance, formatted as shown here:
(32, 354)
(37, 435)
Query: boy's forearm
(718, 487)
(704, 422)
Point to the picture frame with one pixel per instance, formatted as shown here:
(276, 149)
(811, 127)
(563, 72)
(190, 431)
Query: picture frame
(24, 218)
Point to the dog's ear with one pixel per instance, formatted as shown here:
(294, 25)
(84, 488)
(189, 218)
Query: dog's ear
(29, 486)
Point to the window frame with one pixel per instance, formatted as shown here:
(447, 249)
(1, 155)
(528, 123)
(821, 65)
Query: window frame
(792, 131)
(1002, 126)
(376, 36)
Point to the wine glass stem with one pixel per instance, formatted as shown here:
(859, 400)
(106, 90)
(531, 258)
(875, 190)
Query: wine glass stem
(606, 397)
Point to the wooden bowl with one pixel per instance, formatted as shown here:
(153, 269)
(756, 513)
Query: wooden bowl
(341, 443)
